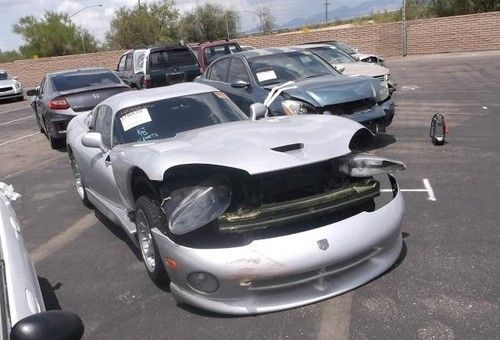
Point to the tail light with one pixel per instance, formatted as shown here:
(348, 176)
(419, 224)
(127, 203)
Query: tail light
(58, 104)
(147, 82)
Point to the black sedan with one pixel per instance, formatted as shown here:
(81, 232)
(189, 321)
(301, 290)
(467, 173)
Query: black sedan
(63, 95)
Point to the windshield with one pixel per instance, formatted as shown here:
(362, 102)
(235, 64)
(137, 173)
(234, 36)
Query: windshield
(344, 48)
(4, 76)
(282, 67)
(333, 55)
(160, 60)
(168, 117)
(72, 81)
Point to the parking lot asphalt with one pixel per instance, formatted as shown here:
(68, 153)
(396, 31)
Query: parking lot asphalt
(444, 286)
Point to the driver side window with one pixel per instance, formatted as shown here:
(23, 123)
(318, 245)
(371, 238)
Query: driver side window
(103, 122)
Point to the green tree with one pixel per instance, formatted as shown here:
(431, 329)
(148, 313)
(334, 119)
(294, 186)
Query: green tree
(7, 56)
(144, 24)
(209, 22)
(52, 35)
(266, 19)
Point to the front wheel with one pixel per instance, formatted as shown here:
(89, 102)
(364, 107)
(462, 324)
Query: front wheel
(77, 179)
(148, 216)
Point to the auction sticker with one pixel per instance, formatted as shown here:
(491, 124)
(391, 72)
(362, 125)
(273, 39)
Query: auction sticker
(135, 118)
(266, 75)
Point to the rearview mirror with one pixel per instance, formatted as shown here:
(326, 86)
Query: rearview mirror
(32, 92)
(53, 324)
(240, 84)
(94, 140)
(257, 111)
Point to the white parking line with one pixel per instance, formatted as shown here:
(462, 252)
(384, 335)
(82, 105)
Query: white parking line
(67, 236)
(428, 189)
(19, 138)
(15, 120)
(15, 109)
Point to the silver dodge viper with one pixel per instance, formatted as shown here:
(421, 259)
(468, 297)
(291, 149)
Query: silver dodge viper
(243, 216)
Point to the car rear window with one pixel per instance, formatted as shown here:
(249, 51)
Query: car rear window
(72, 81)
(160, 60)
(214, 52)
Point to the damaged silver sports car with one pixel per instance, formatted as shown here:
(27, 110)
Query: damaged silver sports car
(243, 216)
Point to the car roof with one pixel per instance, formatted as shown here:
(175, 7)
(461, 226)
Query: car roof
(306, 46)
(133, 98)
(217, 43)
(79, 70)
(267, 51)
(156, 48)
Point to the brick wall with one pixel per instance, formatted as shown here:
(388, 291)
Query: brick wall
(476, 32)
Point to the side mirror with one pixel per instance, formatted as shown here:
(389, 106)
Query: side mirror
(240, 84)
(15, 78)
(94, 140)
(32, 92)
(340, 68)
(257, 111)
(56, 325)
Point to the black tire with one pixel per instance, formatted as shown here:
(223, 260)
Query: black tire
(82, 194)
(56, 143)
(39, 124)
(146, 209)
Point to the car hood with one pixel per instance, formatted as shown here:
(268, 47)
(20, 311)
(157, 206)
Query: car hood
(252, 146)
(361, 68)
(362, 56)
(329, 90)
(7, 82)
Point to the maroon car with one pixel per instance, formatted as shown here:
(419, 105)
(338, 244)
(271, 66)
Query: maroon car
(209, 51)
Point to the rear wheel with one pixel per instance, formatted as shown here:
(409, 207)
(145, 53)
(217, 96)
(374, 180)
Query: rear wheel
(148, 216)
(77, 179)
(56, 143)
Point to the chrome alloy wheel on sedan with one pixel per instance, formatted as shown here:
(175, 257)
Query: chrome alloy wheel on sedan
(145, 241)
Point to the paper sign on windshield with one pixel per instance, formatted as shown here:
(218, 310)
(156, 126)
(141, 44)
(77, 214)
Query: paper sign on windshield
(135, 118)
(266, 75)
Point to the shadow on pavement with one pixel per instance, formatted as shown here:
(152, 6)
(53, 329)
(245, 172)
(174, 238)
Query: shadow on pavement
(48, 293)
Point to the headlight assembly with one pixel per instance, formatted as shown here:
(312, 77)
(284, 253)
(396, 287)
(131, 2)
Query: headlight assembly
(17, 85)
(362, 165)
(202, 204)
(297, 107)
(383, 91)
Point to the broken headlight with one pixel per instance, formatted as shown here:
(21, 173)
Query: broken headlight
(202, 204)
(362, 165)
(297, 107)
(383, 91)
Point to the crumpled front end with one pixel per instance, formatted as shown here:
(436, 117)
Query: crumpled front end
(286, 238)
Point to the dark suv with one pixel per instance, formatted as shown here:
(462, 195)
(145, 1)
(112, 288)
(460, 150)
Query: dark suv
(158, 66)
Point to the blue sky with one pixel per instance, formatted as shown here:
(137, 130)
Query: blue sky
(97, 19)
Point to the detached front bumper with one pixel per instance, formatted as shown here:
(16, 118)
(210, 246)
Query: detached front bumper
(292, 270)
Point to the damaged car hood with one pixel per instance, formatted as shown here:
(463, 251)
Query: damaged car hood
(253, 146)
(328, 90)
(361, 68)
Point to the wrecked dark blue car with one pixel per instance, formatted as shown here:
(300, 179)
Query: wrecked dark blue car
(290, 81)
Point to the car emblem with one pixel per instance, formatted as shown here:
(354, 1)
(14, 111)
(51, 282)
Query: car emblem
(323, 244)
(96, 95)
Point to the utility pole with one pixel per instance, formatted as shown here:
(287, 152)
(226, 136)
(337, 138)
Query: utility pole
(326, 10)
(405, 37)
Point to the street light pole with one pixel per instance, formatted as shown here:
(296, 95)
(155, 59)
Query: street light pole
(405, 37)
(81, 9)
